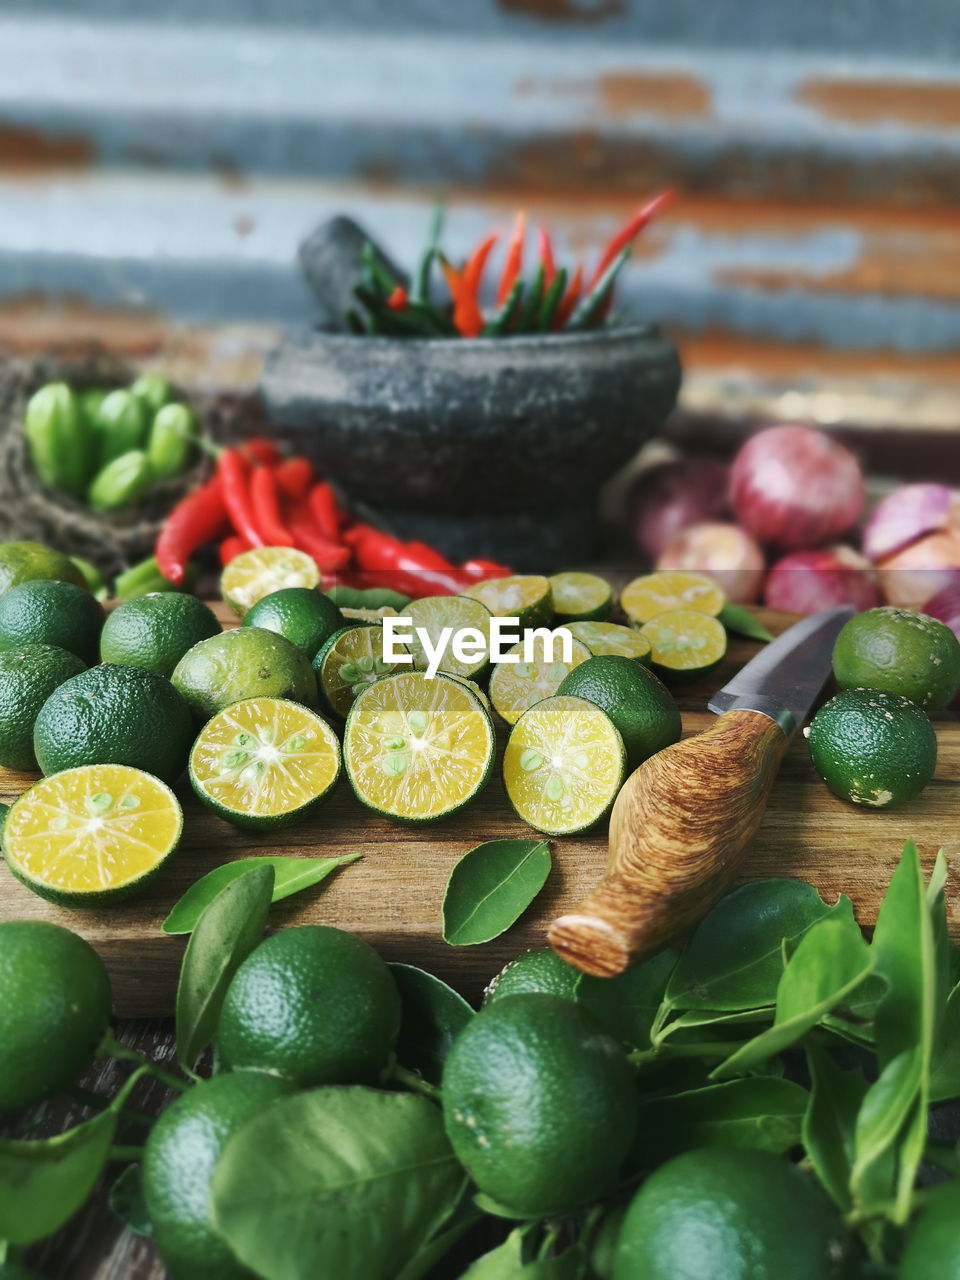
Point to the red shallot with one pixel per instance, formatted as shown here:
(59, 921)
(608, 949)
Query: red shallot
(724, 551)
(905, 516)
(671, 496)
(807, 581)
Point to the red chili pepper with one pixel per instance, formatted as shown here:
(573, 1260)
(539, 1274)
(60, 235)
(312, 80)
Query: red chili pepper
(569, 299)
(294, 477)
(514, 261)
(629, 232)
(473, 271)
(260, 449)
(467, 316)
(546, 256)
(398, 300)
(478, 570)
(328, 555)
(428, 556)
(232, 547)
(199, 518)
(265, 501)
(232, 469)
(326, 511)
(389, 562)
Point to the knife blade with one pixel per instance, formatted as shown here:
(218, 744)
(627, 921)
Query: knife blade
(682, 822)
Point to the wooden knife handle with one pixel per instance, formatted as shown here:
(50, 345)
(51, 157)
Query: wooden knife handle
(678, 831)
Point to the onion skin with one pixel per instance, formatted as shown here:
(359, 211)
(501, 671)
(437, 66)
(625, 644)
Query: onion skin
(795, 488)
(945, 607)
(807, 581)
(668, 498)
(724, 551)
(924, 569)
(908, 514)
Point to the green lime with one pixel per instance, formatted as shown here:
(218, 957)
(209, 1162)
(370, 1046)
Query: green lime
(517, 683)
(254, 574)
(457, 615)
(933, 1245)
(731, 1213)
(540, 971)
(92, 835)
(314, 1005)
(526, 597)
(563, 765)
(306, 618)
(901, 652)
(155, 631)
(874, 748)
(51, 612)
(685, 644)
(30, 561)
(639, 705)
(417, 749)
(179, 1160)
(245, 663)
(28, 676)
(115, 715)
(265, 762)
(539, 1105)
(349, 662)
(54, 1012)
(602, 638)
(580, 596)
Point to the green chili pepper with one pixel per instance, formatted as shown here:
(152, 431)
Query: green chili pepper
(172, 438)
(143, 578)
(121, 481)
(121, 425)
(499, 323)
(378, 275)
(153, 390)
(590, 308)
(420, 289)
(92, 577)
(58, 439)
(355, 324)
(551, 300)
(527, 319)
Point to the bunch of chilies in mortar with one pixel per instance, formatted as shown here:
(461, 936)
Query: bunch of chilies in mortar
(257, 498)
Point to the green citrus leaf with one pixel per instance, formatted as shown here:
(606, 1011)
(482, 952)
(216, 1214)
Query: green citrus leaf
(830, 1123)
(491, 887)
(626, 1006)
(341, 1181)
(761, 1112)
(126, 1201)
(506, 1263)
(735, 958)
(290, 876)
(736, 618)
(229, 928)
(43, 1183)
(432, 1016)
(831, 961)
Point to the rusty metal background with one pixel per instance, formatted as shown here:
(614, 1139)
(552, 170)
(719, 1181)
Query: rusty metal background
(158, 170)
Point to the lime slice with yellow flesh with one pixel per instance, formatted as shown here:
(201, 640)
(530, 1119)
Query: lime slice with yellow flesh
(416, 749)
(265, 762)
(580, 596)
(609, 639)
(655, 593)
(526, 597)
(91, 834)
(351, 661)
(685, 644)
(563, 765)
(517, 686)
(254, 574)
(455, 614)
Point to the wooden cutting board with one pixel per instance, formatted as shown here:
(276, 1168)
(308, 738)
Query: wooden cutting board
(392, 896)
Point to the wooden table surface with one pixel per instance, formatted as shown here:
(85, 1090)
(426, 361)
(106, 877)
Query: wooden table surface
(393, 895)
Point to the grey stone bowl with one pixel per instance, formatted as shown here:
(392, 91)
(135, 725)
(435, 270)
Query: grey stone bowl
(494, 447)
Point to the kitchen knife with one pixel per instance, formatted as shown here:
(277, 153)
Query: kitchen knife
(683, 820)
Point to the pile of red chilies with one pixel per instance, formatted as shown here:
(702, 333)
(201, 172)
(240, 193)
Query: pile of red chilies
(256, 498)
